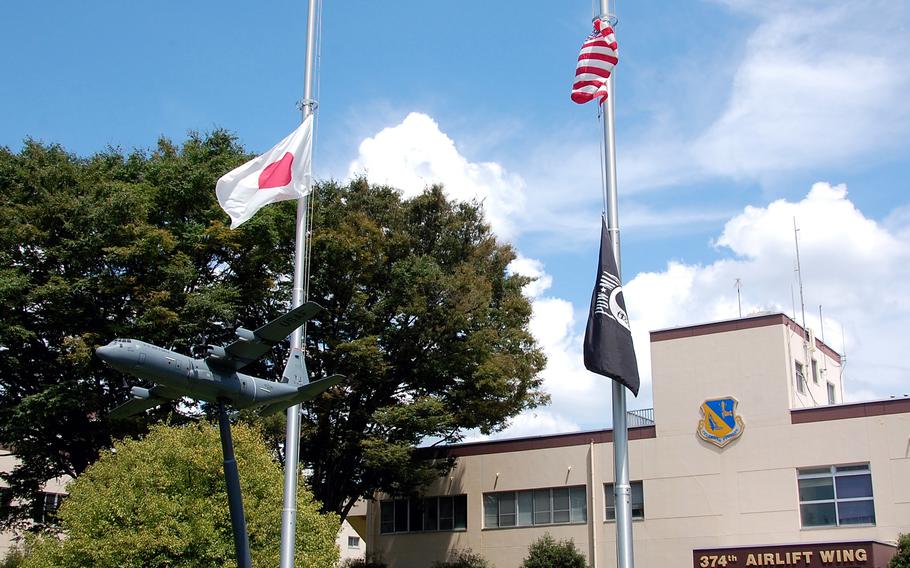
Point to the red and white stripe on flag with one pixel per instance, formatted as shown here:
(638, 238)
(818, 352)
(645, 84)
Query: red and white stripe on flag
(595, 64)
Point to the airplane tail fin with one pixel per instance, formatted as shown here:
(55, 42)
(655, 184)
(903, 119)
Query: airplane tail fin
(305, 392)
(295, 372)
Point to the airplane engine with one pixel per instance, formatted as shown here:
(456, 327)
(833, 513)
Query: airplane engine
(217, 351)
(139, 392)
(245, 334)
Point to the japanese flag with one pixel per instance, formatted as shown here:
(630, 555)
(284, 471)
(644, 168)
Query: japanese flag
(281, 173)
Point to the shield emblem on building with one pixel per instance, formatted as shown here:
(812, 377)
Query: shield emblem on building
(719, 424)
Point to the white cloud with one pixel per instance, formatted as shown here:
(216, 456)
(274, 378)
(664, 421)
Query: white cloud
(532, 423)
(574, 392)
(532, 268)
(854, 267)
(819, 84)
(416, 153)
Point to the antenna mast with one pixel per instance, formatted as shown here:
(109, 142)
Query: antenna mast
(802, 303)
(799, 274)
(739, 299)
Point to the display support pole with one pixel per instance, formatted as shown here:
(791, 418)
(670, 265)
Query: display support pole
(622, 488)
(232, 483)
(292, 438)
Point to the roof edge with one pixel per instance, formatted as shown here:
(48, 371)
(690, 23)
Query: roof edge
(737, 324)
(532, 443)
(850, 410)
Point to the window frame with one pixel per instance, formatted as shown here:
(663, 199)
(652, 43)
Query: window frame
(814, 367)
(418, 505)
(535, 494)
(832, 393)
(608, 494)
(833, 473)
(353, 542)
(800, 374)
(46, 507)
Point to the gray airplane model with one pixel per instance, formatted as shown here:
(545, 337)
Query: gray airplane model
(215, 378)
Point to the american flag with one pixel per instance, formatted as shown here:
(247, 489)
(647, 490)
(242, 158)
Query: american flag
(595, 63)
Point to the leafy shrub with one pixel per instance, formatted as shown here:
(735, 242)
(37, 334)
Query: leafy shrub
(546, 552)
(363, 563)
(902, 558)
(13, 559)
(463, 559)
(161, 501)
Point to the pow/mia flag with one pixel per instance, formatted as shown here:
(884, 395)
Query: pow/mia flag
(608, 339)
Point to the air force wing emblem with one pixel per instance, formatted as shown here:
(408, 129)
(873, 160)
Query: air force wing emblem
(719, 424)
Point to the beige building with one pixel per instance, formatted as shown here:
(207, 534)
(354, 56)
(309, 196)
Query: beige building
(749, 445)
(52, 494)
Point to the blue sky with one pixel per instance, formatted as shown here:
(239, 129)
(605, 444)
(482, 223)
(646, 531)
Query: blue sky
(733, 116)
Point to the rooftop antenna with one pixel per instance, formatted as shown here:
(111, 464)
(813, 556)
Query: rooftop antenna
(843, 348)
(802, 303)
(739, 300)
(792, 301)
(821, 322)
(799, 274)
(821, 325)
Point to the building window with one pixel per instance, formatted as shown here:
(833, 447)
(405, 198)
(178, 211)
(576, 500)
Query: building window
(555, 505)
(46, 506)
(353, 542)
(814, 371)
(638, 501)
(444, 513)
(800, 377)
(6, 503)
(832, 396)
(836, 496)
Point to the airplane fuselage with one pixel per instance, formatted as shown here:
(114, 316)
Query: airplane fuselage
(194, 378)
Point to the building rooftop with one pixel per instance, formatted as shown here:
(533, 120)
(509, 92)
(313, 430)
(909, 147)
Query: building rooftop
(745, 322)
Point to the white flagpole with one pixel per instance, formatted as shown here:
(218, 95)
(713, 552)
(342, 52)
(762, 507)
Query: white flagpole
(622, 488)
(292, 438)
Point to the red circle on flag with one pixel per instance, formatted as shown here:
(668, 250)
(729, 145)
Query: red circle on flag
(277, 174)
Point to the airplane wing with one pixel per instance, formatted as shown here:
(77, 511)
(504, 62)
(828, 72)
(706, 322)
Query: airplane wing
(142, 400)
(251, 345)
(307, 392)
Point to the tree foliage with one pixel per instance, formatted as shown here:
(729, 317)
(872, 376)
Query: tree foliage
(115, 246)
(421, 313)
(902, 558)
(161, 501)
(424, 319)
(547, 552)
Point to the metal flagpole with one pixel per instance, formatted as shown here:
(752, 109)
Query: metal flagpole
(622, 488)
(292, 438)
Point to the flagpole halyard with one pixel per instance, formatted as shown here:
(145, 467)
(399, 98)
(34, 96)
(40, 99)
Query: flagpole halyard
(622, 488)
(292, 437)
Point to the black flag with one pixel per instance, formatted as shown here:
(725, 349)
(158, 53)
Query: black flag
(608, 340)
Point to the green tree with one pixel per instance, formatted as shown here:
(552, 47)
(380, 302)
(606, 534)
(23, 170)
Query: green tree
(902, 558)
(422, 315)
(115, 246)
(547, 552)
(431, 330)
(161, 501)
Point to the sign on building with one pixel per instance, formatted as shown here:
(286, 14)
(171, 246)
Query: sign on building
(864, 554)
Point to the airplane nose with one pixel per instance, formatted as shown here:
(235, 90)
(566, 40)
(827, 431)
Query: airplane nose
(106, 352)
(116, 355)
